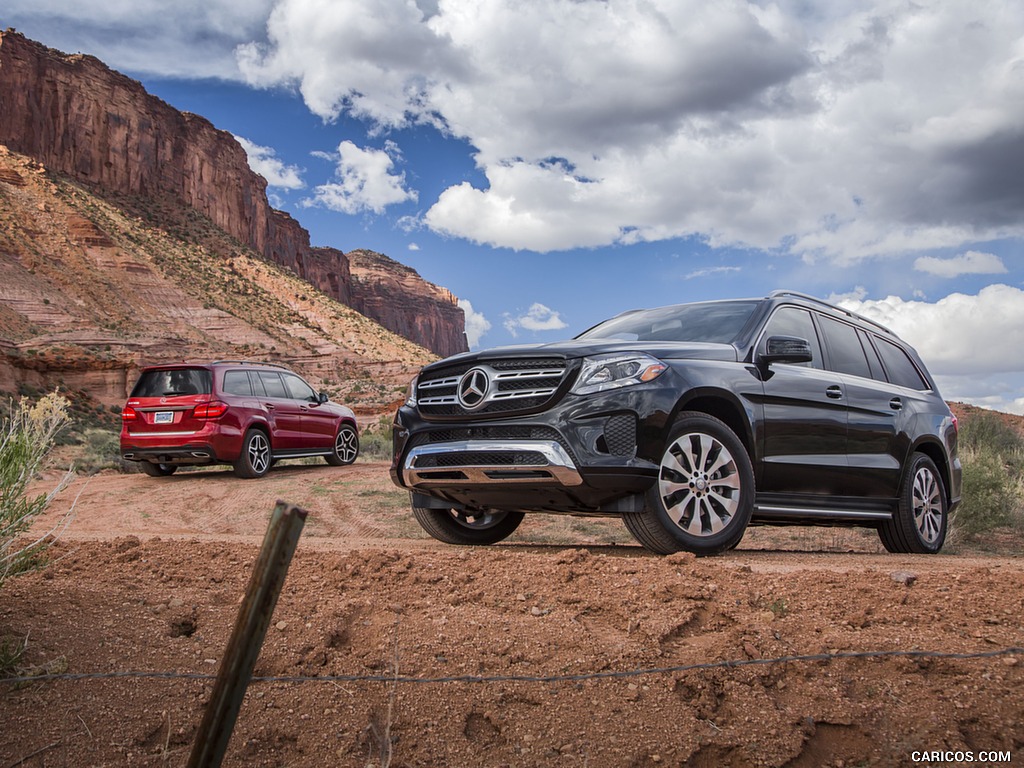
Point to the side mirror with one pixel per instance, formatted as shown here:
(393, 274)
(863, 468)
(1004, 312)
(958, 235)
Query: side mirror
(322, 398)
(786, 349)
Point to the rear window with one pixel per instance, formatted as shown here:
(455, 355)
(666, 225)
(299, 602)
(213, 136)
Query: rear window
(172, 382)
(719, 322)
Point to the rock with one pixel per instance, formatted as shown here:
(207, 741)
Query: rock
(906, 578)
(79, 118)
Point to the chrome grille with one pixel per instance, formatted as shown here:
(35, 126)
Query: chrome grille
(515, 384)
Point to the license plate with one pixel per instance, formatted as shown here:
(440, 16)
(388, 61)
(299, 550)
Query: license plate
(163, 417)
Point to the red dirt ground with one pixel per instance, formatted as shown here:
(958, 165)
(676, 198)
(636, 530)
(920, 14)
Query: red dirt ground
(150, 574)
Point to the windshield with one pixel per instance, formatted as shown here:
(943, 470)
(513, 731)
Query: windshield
(718, 322)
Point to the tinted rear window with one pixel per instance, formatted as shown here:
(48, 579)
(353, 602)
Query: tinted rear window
(719, 321)
(172, 382)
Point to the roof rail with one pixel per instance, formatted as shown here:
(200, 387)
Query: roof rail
(822, 302)
(250, 362)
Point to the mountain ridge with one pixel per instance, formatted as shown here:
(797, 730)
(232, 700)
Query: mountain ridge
(81, 119)
(131, 233)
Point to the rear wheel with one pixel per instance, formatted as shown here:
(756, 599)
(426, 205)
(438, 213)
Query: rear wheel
(158, 470)
(255, 459)
(920, 521)
(346, 447)
(704, 496)
(462, 527)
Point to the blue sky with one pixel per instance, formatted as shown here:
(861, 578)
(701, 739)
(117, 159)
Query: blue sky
(555, 162)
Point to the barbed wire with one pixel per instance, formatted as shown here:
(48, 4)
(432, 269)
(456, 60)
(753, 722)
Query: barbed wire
(562, 678)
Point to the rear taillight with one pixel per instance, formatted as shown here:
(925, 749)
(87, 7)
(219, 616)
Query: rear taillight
(128, 414)
(213, 410)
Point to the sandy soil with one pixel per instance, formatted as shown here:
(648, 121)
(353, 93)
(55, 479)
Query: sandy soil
(568, 646)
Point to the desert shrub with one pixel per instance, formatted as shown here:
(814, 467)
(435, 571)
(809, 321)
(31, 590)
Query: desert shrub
(992, 454)
(375, 440)
(26, 437)
(101, 449)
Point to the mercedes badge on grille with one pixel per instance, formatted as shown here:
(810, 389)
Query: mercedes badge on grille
(473, 388)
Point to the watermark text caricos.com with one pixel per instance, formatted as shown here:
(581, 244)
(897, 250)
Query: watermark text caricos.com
(960, 756)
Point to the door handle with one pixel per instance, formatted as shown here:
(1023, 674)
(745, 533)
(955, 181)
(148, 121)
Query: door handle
(835, 392)
(896, 404)
(269, 406)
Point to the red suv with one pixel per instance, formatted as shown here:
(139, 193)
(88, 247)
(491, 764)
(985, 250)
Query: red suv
(246, 414)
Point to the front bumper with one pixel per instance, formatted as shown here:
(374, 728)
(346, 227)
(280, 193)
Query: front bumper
(584, 455)
(516, 461)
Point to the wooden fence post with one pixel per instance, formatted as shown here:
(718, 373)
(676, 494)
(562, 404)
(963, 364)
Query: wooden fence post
(243, 648)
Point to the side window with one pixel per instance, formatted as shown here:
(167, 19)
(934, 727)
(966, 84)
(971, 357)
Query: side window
(845, 353)
(901, 369)
(790, 321)
(272, 383)
(257, 385)
(298, 389)
(877, 371)
(237, 383)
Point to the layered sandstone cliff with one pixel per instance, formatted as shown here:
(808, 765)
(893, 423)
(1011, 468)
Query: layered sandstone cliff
(81, 119)
(403, 302)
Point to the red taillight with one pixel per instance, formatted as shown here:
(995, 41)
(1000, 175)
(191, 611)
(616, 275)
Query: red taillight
(213, 410)
(956, 424)
(128, 414)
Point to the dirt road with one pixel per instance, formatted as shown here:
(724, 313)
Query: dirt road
(569, 646)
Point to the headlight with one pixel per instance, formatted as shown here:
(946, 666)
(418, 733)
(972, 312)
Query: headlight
(616, 370)
(410, 396)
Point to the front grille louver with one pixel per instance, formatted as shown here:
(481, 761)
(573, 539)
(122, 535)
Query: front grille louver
(515, 385)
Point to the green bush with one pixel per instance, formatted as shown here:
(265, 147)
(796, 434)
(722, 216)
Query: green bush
(992, 454)
(26, 437)
(375, 441)
(101, 449)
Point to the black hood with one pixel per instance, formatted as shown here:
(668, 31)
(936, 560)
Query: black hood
(570, 350)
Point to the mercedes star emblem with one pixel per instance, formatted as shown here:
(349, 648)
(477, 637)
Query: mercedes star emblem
(473, 388)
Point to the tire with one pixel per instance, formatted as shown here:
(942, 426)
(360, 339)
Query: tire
(704, 496)
(467, 528)
(158, 470)
(255, 458)
(921, 519)
(346, 447)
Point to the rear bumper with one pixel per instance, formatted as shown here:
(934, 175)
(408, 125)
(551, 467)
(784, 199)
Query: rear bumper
(199, 453)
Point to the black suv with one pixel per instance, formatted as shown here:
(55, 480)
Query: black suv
(689, 422)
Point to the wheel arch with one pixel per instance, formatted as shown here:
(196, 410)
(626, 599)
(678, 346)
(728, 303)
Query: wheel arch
(725, 407)
(937, 454)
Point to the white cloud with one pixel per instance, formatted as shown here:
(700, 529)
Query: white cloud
(847, 133)
(970, 263)
(413, 247)
(841, 132)
(186, 38)
(537, 318)
(971, 343)
(476, 324)
(365, 181)
(711, 272)
(264, 161)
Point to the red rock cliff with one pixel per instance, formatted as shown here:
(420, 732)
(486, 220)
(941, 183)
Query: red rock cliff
(403, 302)
(84, 120)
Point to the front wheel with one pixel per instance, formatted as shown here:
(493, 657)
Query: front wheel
(920, 521)
(463, 527)
(255, 458)
(346, 447)
(704, 496)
